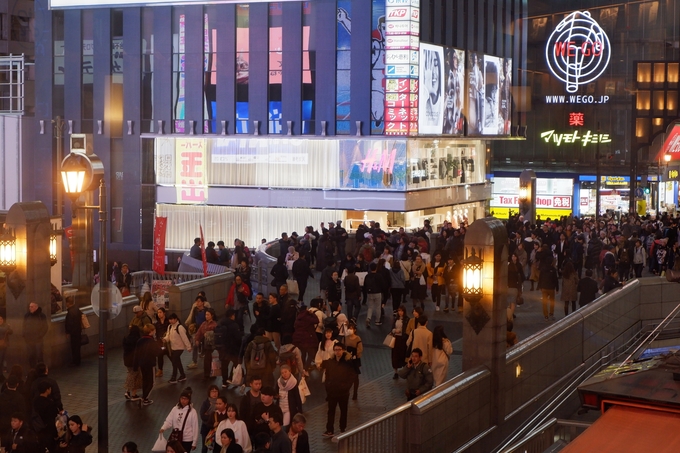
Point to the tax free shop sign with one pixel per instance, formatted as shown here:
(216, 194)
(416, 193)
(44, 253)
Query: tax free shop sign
(577, 52)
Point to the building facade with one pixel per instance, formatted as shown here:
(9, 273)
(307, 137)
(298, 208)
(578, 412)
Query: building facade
(255, 118)
(619, 102)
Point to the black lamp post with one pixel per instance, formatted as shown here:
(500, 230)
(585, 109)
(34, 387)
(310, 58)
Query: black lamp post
(81, 172)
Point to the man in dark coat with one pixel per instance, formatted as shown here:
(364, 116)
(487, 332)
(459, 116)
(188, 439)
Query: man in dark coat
(195, 251)
(301, 273)
(297, 434)
(35, 329)
(74, 328)
(21, 438)
(340, 373)
(41, 375)
(144, 359)
(228, 341)
(11, 401)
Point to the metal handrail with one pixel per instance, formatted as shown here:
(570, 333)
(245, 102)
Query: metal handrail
(650, 337)
(397, 410)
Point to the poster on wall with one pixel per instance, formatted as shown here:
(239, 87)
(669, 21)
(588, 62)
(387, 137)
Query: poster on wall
(373, 164)
(492, 72)
(191, 179)
(431, 94)
(454, 61)
(475, 89)
(505, 98)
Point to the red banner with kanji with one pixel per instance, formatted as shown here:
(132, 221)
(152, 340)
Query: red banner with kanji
(159, 245)
(203, 257)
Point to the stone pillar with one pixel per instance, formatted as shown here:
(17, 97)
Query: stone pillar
(30, 282)
(485, 325)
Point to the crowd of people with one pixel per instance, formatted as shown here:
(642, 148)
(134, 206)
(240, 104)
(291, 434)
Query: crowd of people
(585, 257)
(289, 336)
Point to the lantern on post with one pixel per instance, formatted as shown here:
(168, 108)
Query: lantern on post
(473, 289)
(8, 251)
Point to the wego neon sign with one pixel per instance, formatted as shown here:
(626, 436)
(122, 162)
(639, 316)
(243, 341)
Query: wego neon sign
(578, 50)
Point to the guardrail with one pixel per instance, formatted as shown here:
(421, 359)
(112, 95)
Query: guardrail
(456, 415)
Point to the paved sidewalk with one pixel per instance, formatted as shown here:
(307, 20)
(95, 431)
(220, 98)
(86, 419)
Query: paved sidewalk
(378, 392)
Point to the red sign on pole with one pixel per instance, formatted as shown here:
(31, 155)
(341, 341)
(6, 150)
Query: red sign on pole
(203, 257)
(159, 245)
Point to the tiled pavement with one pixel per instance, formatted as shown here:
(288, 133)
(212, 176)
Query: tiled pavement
(378, 392)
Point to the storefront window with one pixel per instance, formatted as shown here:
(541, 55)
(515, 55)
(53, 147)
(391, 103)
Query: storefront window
(439, 163)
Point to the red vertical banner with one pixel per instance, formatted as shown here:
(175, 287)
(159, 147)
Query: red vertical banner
(159, 245)
(203, 257)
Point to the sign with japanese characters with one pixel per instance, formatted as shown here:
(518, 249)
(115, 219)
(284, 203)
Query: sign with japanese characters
(402, 41)
(542, 201)
(584, 137)
(190, 165)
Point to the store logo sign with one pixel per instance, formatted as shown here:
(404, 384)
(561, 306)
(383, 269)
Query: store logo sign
(578, 50)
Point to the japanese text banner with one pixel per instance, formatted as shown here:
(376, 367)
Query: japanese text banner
(159, 245)
(190, 167)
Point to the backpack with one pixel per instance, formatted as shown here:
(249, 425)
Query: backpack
(623, 256)
(258, 357)
(209, 340)
(331, 322)
(289, 358)
(219, 336)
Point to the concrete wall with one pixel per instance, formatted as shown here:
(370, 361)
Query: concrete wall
(455, 417)
(182, 296)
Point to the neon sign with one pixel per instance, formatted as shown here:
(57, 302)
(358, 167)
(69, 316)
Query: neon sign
(578, 50)
(574, 137)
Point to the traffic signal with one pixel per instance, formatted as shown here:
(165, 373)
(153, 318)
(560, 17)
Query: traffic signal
(646, 189)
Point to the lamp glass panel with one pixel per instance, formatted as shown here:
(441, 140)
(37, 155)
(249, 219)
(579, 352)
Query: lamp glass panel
(53, 246)
(73, 180)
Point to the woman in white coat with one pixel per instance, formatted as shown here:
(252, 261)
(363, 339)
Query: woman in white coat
(238, 426)
(441, 351)
(184, 416)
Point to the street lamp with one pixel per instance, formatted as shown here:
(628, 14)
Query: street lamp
(80, 172)
(473, 289)
(8, 251)
(54, 237)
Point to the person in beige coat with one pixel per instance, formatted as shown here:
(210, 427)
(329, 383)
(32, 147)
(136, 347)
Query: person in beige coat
(569, 287)
(441, 351)
(421, 338)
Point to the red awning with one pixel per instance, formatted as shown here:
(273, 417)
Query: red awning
(625, 429)
(671, 145)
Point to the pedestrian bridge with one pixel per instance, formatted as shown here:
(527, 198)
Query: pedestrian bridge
(542, 373)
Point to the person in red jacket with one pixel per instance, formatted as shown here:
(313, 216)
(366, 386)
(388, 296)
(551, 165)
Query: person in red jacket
(304, 335)
(239, 293)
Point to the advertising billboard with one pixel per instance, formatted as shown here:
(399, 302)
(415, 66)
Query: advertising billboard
(454, 62)
(476, 88)
(431, 86)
